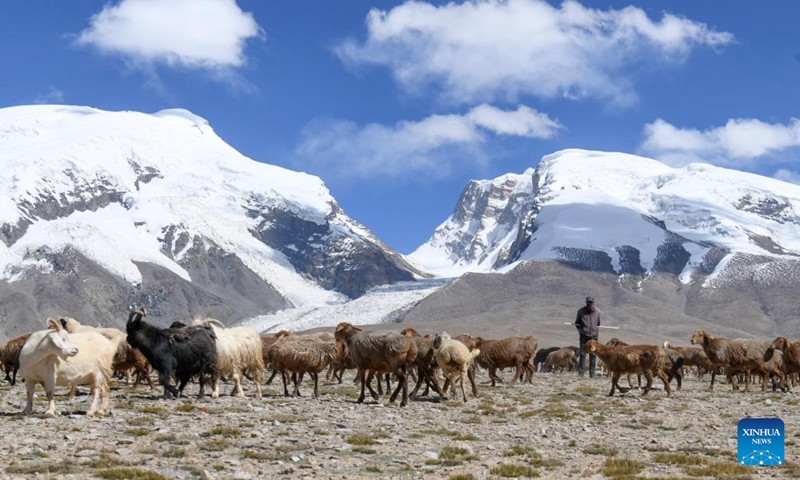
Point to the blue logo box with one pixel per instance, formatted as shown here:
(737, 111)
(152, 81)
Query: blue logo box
(761, 442)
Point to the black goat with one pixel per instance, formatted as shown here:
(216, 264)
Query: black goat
(186, 351)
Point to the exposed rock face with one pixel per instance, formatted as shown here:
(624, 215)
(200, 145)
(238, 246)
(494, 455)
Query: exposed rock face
(331, 252)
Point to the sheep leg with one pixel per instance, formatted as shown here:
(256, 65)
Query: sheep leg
(630, 382)
(421, 377)
(237, 384)
(375, 395)
(146, 375)
(648, 375)
(285, 381)
(431, 382)
(164, 380)
(257, 379)
(402, 382)
(360, 376)
(49, 388)
(614, 379)
(202, 383)
(713, 376)
(296, 379)
(13, 376)
(315, 376)
(471, 375)
(215, 378)
(493, 375)
(272, 377)
(664, 379)
(519, 369)
(105, 393)
(463, 388)
(30, 386)
(95, 388)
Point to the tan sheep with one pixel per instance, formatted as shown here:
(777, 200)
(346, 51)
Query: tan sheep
(454, 359)
(644, 359)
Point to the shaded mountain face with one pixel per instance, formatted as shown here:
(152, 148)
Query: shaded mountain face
(101, 211)
(617, 213)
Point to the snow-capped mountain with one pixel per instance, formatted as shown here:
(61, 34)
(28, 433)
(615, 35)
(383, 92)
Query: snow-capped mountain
(102, 210)
(618, 213)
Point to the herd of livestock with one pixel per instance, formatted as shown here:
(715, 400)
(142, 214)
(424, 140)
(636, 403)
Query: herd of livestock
(69, 354)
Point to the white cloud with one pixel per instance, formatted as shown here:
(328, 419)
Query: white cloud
(739, 142)
(787, 176)
(487, 49)
(207, 34)
(51, 96)
(426, 146)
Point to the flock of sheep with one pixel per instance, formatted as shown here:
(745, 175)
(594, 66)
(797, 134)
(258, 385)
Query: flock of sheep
(68, 354)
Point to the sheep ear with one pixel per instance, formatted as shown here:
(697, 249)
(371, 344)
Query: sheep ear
(53, 324)
(341, 326)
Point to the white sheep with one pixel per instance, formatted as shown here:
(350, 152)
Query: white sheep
(54, 357)
(239, 351)
(454, 359)
(126, 357)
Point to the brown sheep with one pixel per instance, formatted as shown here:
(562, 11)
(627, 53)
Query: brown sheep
(562, 359)
(644, 359)
(9, 355)
(616, 342)
(791, 357)
(735, 355)
(127, 358)
(505, 353)
(299, 355)
(694, 357)
(379, 352)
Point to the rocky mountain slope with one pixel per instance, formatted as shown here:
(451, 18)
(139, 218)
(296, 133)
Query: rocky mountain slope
(665, 250)
(103, 210)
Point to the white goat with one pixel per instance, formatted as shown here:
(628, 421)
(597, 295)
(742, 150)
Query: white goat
(454, 359)
(53, 358)
(239, 352)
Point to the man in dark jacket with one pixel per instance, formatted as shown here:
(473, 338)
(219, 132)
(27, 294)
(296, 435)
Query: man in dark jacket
(588, 324)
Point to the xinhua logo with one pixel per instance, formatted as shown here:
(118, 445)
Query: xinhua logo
(761, 441)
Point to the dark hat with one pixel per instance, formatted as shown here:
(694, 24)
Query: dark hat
(589, 299)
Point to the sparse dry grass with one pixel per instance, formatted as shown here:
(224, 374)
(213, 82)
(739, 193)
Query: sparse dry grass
(513, 470)
(622, 467)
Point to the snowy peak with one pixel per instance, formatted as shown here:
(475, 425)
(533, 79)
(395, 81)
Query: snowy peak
(482, 224)
(124, 189)
(616, 212)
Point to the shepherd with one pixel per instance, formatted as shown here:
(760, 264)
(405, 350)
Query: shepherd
(588, 324)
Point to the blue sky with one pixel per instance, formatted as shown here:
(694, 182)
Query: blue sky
(398, 109)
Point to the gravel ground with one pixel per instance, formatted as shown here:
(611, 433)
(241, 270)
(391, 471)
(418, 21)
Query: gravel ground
(558, 427)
